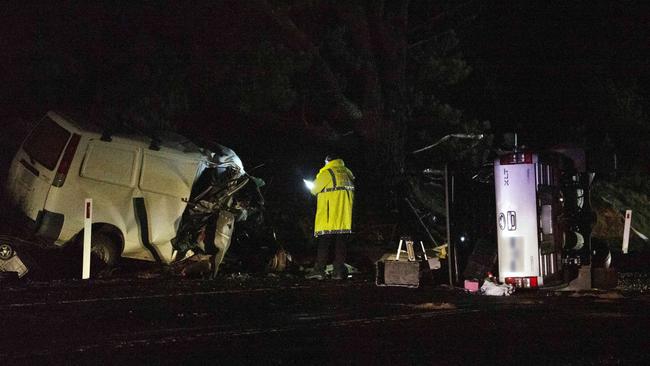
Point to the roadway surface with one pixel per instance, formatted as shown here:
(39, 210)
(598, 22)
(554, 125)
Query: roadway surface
(288, 320)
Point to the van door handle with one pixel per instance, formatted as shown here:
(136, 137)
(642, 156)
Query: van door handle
(29, 167)
(512, 220)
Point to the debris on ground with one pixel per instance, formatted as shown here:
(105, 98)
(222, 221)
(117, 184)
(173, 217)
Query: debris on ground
(471, 285)
(634, 281)
(441, 251)
(239, 276)
(609, 295)
(434, 306)
(329, 269)
(198, 265)
(490, 288)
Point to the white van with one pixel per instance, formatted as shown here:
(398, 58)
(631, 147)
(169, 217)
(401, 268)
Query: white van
(139, 186)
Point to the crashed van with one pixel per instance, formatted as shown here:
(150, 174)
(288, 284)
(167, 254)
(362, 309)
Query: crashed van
(153, 198)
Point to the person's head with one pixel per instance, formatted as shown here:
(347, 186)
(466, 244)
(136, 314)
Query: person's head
(330, 157)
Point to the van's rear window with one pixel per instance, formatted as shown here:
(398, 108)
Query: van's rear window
(46, 142)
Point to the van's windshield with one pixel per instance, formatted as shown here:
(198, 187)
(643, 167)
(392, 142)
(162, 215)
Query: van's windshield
(46, 142)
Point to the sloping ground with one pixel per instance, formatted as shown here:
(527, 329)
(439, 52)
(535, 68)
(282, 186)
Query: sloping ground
(610, 199)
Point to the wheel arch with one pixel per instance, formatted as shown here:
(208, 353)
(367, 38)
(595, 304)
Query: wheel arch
(107, 229)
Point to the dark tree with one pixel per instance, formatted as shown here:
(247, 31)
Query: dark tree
(385, 70)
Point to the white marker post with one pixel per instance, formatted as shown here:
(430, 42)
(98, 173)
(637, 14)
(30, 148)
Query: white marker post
(626, 230)
(88, 220)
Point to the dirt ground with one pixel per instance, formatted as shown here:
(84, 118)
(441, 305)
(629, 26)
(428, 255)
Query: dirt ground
(244, 319)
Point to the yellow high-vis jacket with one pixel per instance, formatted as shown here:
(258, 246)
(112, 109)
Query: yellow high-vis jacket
(334, 190)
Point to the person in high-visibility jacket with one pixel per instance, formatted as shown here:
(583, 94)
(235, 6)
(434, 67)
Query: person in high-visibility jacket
(334, 191)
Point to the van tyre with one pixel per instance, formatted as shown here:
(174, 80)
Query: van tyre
(103, 254)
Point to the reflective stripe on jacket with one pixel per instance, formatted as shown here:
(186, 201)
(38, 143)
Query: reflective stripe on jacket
(334, 189)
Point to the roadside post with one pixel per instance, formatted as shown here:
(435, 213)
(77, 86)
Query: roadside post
(450, 248)
(626, 230)
(88, 220)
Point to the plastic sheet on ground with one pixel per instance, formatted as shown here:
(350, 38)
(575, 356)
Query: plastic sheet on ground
(329, 269)
(490, 288)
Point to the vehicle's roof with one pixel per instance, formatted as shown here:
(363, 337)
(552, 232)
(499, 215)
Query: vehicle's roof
(167, 141)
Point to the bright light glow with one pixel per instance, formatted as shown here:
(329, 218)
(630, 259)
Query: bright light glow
(309, 184)
(462, 238)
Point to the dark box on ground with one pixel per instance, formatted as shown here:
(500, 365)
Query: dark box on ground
(402, 272)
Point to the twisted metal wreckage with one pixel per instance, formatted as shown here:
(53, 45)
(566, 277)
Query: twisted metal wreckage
(222, 195)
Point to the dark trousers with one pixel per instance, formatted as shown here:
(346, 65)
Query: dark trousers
(340, 250)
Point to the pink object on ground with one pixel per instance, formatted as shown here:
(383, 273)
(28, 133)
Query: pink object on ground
(471, 286)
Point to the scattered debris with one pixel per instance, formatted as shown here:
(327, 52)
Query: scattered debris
(634, 282)
(147, 275)
(329, 269)
(197, 265)
(610, 295)
(239, 276)
(279, 261)
(471, 285)
(434, 306)
(441, 251)
(490, 288)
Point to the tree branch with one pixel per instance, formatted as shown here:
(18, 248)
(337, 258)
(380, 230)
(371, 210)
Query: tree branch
(298, 39)
(438, 18)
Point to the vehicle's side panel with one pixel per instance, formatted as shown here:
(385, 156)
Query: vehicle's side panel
(165, 182)
(107, 173)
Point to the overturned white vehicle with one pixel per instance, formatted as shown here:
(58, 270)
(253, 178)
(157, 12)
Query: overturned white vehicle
(157, 199)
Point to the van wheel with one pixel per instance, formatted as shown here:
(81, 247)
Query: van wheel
(103, 254)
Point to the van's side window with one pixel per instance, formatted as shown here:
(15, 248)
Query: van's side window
(167, 175)
(46, 142)
(110, 163)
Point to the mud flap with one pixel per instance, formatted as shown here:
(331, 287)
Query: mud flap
(222, 238)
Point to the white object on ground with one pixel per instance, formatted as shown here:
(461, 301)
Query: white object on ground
(626, 230)
(494, 289)
(639, 234)
(329, 269)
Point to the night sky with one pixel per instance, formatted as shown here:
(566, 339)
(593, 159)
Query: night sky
(549, 64)
(554, 72)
